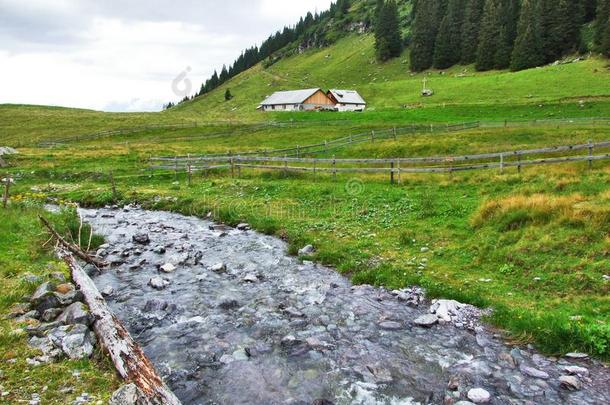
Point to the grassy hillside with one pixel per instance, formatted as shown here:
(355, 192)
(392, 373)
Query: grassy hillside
(390, 87)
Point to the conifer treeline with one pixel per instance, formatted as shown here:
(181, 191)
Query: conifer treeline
(388, 39)
(498, 34)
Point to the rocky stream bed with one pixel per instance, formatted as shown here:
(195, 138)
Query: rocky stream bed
(228, 317)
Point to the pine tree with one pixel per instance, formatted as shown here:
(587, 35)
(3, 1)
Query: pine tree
(448, 44)
(228, 95)
(470, 30)
(488, 36)
(388, 42)
(528, 50)
(424, 33)
(601, 26)
(568, 26)
(588, 9)
(604, 46)
(508, 18)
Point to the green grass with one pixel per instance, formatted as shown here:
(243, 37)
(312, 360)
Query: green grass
(21, 252)
(550, 223)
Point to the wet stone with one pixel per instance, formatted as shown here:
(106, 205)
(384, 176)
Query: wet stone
(479, 396)
(426, 321)
(141, 238)
(569, 382)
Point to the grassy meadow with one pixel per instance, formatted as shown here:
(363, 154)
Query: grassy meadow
(534, 246)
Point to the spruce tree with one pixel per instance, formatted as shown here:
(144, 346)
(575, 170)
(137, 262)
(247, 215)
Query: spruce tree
(424, 32)
(601, 25)
(508, 16)
(228, 95)
(470, 30)
(528, 50)
(387, 34)
(568, 26)
(488, 36)
(448, 44)
(604, 46)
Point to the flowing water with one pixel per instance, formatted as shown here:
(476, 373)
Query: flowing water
(273, 330)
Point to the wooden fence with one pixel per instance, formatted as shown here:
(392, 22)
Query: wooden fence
(391, 166)
(394, 133)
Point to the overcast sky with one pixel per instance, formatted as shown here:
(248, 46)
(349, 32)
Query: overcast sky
(127, 55)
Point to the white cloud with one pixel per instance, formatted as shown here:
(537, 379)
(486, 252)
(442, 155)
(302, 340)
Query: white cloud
(76, 54)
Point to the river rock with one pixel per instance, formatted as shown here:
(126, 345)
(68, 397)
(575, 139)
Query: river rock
(446, 309)
(167, 268)
(158, 283)
(243, 227)
(307, 251)
(576, 370)
(250, 278)
(75, 341)
(70, 297)
(51, 314)
(390, 325)
(578, 356)
(19, 310)
(533, 372)
(141, 238)
(44, 297)
(65, 288)
(107, 291)
(569, 382)
(128, 394)
(426, 321)
(479, 396)
(76, 313)
(219, 268)
(159, 250)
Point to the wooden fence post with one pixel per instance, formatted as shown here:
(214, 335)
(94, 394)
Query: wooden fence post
(189, 172)
(113, 185)
(590, 154)
(501, 163)
(285, 166)
(232, 168)
(238, 166)
(175, 168)
(373, 136)
(391, 172)
(7, 186)
(334, 168)
(519, 163)
(394, 130)
(399, 176)
(298, 152)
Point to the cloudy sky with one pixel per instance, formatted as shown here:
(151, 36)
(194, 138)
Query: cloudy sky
(127, 55)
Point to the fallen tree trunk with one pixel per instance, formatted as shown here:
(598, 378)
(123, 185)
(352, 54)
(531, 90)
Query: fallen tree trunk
(127, 356)
(72, 247)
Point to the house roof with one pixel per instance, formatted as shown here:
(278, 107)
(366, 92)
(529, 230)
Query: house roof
(347, 96)
(289, 97)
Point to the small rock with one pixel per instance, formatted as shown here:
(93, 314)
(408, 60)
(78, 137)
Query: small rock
(577, 355)
(159, 250)
(76, 313)
(425, 249)
(57, 276)
(65, 288)
(158, 283)
(533, 372)
(569, 382)
(576, 370)
(141, 238)
(168, 268)
(426, 321)
(128, 394)
(479, 396)
(250, 278)
(243, 227)
(307, 250)
(50, 314)
(390, 325)
(228, 303)
(107, 291)
(219, 268)
(19, 310)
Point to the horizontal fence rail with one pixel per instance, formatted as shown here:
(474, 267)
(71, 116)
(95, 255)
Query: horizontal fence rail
(432, 164)
(394, 133)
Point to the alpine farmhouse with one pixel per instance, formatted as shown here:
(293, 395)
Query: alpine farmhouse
(313, 100)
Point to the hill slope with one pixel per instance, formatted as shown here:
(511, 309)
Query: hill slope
(350, 63)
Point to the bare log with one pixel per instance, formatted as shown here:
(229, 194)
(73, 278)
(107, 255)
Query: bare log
(128, 357)
(72, 247)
